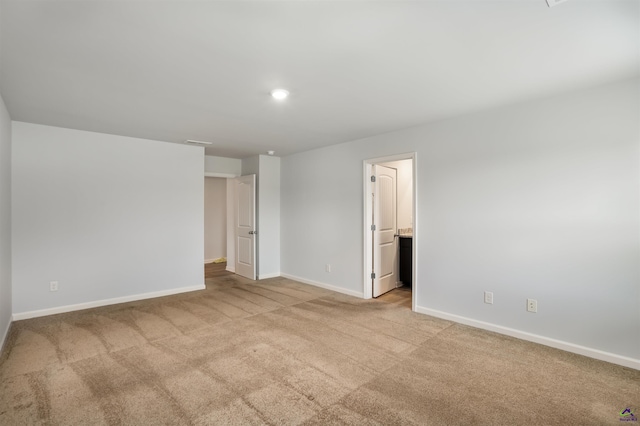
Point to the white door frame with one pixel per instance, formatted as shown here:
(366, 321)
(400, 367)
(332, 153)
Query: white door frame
(367, 211)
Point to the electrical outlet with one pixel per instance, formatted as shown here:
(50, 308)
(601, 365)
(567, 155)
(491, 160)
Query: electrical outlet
(532, 305)
(327, 267)
(53, 286)
(488, 297)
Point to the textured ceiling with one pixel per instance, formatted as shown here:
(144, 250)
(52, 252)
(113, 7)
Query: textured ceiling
(176, 70)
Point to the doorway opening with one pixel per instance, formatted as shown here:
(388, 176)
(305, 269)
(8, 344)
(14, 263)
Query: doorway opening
(230, 224)
(390, 229)
(215, 220)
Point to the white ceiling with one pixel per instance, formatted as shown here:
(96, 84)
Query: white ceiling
(176, 70)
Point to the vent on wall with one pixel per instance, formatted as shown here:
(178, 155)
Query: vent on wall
(192, 142)
(552, 3)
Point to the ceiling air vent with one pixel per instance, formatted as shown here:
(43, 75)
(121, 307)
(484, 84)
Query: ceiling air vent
(192, 142)
(552, 3)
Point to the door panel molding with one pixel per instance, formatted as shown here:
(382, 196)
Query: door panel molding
(245, 226)
(385, 254)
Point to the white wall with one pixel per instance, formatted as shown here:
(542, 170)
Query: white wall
(215, 218)
(269, 217)
(5, 222)
(108, 217)
(537, 200)
(231, 229)
(222, 166)
(251, 165)
(404, 184)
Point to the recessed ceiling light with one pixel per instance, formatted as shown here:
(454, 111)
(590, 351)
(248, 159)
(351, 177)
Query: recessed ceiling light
(271, 152)
(279, 94)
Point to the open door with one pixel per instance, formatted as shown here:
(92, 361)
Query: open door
(245, 229)
(385, 244)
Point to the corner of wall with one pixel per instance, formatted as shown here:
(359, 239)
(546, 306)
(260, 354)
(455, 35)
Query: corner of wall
(251, 165)
(6, 291)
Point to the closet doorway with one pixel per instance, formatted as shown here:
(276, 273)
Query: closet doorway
(390, 232)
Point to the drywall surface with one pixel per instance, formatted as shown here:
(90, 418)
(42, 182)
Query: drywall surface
(222, 165)
(105, 216)
(5, 221)
(215, 218)
(269, 216)
(251, 165)
(231, 243)
(537, 200)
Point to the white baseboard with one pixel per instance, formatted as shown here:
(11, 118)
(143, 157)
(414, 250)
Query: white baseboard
(535, 338)
(231, 268)
(104, 302)
(323, 285)
(265, 276)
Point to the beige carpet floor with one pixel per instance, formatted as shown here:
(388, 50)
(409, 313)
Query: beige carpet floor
(280, 352)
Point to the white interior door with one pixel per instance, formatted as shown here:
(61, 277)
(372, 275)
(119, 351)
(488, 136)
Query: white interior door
(245, 229)
(385, 246)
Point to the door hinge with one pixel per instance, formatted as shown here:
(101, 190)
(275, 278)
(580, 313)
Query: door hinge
(373, 178)
(373, 227)
(373, 275)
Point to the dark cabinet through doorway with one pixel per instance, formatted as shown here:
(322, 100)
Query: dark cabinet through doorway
(406, 256)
